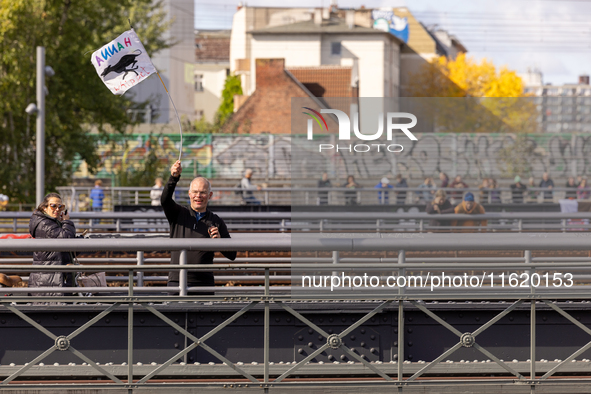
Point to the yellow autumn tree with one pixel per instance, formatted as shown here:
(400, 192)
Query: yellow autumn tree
(484, 99)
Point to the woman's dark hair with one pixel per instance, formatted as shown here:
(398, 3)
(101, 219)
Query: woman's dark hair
(45, 203)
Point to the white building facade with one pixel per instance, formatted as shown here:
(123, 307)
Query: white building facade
(325, 38)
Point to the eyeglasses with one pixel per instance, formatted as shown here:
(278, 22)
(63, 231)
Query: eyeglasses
(57, 206)
(199, 193)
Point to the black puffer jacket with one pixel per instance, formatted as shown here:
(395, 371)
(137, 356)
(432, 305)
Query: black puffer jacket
(44, 226)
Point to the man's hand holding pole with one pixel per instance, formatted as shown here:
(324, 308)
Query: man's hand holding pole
(176, 169)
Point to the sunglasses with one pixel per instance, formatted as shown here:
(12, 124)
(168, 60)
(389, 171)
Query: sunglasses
(57, 206)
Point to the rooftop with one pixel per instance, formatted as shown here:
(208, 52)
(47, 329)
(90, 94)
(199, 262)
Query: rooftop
(333, 25)
(212, 46)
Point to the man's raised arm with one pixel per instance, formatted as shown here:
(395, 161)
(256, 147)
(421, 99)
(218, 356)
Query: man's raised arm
(170, 207)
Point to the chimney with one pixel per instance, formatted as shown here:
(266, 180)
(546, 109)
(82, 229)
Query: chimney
(269, 72)
(350, 18)
(239, 7)
(318, 16)
(583, 80)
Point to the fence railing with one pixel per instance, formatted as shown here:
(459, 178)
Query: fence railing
(155, 222)
(398, 372)
(77, 197)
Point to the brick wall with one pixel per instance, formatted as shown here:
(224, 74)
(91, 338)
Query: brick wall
(268, 109)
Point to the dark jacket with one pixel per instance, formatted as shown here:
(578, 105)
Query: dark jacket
(517, 190)
(544, 184)
(183, 224)
(44, 226)
(446, 207)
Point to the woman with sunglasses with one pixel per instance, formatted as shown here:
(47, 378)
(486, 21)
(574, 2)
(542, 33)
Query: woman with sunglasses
(51, 220)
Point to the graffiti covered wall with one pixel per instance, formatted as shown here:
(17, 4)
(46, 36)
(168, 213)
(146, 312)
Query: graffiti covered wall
(227, 156)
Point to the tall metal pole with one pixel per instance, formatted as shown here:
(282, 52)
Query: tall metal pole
(40, 153)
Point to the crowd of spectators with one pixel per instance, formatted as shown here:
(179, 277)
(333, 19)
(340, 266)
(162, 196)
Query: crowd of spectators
(489, 191)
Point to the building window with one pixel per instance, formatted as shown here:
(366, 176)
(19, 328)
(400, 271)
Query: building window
(335, 48)
(199, 82)
(199, 114)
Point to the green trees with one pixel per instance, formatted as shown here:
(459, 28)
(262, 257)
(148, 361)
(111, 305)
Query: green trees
(77, 99)
(232, 87)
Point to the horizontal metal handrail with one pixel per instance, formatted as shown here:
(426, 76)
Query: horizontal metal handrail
(242, 242)
(343, 216)
(315, 241)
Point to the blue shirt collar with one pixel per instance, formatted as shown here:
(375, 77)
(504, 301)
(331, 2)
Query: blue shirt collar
(199, 215)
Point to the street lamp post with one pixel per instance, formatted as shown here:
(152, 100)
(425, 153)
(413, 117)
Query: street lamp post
(40, 153)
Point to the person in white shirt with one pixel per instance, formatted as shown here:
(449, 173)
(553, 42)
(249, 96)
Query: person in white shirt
(156, 192)
(247, 187)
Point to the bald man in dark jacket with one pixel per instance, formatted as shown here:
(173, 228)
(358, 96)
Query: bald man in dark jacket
(196, 221)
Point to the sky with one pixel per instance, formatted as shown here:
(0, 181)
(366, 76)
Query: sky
(553, 36)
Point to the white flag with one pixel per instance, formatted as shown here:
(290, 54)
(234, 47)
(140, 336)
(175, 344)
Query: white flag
(123, 63)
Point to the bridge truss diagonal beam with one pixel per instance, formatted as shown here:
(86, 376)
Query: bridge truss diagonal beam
(576, 353)
(326, 335)
(201, 341)
(460, 344)
(54, 347)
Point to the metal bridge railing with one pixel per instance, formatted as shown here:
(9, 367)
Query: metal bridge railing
(140, 222)
(396, 374)
(77, 197)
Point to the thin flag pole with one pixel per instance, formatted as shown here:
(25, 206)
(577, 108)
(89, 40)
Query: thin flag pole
(173, 106)
(177, 115)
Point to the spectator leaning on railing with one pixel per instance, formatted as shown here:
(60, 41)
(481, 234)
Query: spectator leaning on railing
(195, 221)
(583, 190)
(400, 184)
(484, 188)
(324, 182)
(426, 195)
(457, 184)
(156, 192)
(444, 179)
(571, 188)
(351, 196)
(547, 183)
(439, 205)
(97, 196)
(469, 207)
(247, 187)
(517, 190)
(383, 187)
